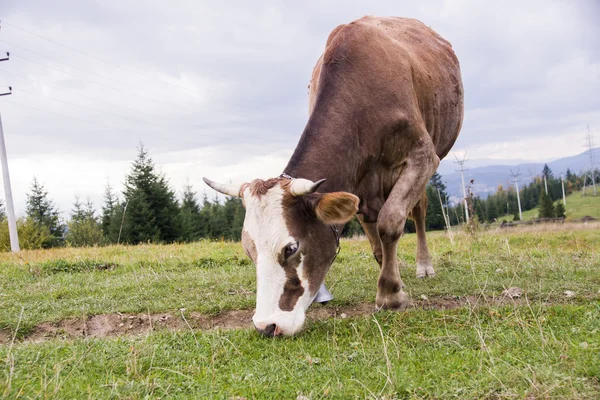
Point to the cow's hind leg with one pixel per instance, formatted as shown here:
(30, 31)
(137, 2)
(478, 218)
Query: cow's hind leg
(407, 191)
(424, 267)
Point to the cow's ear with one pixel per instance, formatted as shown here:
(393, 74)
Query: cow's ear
(336, 207)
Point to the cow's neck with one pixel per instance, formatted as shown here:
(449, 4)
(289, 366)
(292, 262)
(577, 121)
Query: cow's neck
(324, 152)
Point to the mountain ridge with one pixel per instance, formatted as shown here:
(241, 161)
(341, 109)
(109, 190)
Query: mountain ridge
(487, 178)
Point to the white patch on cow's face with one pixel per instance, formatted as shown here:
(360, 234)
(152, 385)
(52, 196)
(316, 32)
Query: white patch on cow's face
(265, 224)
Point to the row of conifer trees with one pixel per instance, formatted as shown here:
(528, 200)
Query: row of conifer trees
(147, 210)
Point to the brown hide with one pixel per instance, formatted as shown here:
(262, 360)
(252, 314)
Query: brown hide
(382, 88)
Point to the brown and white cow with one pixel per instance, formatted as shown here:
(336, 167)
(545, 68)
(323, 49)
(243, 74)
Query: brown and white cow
(386, 104)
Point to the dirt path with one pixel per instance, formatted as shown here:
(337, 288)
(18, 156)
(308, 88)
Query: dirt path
(107, 325)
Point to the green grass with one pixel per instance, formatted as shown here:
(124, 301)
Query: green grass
(543, 352)
(213, 277)
(547, 348)
(577, 207)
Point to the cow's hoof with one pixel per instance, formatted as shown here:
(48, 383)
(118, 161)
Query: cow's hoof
(398, 301)
(425, 270)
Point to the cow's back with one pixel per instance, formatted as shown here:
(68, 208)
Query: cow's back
(405, 60)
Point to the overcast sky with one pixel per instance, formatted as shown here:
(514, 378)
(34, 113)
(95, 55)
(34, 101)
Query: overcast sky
(220, 89)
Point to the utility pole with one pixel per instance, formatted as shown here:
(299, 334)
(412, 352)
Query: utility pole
(516, 178)
(591, 173)
(546, 184)
(462, 176)
(10, 208)
(562, 182)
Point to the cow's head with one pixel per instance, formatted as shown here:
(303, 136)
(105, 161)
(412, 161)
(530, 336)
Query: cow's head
(287, 234)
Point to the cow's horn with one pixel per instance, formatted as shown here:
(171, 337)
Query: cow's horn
(300, 186)
(230, 189)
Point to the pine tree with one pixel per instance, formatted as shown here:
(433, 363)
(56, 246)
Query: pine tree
(547, 172)
(84, 228)
(217, 222)
(111, 215)
(151, 207)
(191, 226)
(491, 209)
(42, 211)
(2, 211)
(569, 175)
(234, 213)
(352, 228)
(559, 210)
(436, 182)
(479, 207)
(434, 217)
(546, 206)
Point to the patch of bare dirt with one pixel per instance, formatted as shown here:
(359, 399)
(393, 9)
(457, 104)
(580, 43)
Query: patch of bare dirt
(5, 336)
(104, 325)
(110, 325)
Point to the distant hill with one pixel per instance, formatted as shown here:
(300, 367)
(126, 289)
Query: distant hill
(577, 207)
(488, 177)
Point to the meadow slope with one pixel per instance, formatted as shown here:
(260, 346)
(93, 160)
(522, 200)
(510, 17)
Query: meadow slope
(462, 339)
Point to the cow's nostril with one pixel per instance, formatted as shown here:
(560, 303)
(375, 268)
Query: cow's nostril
(269, 330)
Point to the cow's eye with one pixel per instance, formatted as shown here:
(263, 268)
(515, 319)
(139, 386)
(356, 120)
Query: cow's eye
(290, 250)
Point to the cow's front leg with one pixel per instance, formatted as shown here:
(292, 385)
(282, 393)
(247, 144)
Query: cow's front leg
(390, 224)
(370, 229)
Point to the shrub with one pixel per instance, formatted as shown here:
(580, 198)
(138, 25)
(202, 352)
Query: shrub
(31, 235)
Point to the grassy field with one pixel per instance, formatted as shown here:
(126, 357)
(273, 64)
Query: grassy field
(459, 341)
(578, 206)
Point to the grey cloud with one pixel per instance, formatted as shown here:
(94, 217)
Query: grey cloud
(529, 69)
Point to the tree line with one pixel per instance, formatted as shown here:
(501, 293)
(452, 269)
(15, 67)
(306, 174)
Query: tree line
(147, 211)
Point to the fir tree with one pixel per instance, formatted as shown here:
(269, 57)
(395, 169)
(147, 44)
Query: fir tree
(546, 206)
(42, 211)
(111, 215)
(234, 215)
(479, 207)
(84, 228)
(352, 228)
(217, 225)
(491, 209)
(191, 224)
(434, 217)
(559, 210)
(547, 172)
(436, 182)
(151, 208)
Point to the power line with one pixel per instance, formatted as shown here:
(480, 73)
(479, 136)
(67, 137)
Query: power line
(74, 118)
(77, 94)
(94, 109)
(192, 126)
(110, 78)
(113, 64)
(169, 129)
(170, 138)
(103, 84)
(71, 66)
(119, 90)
